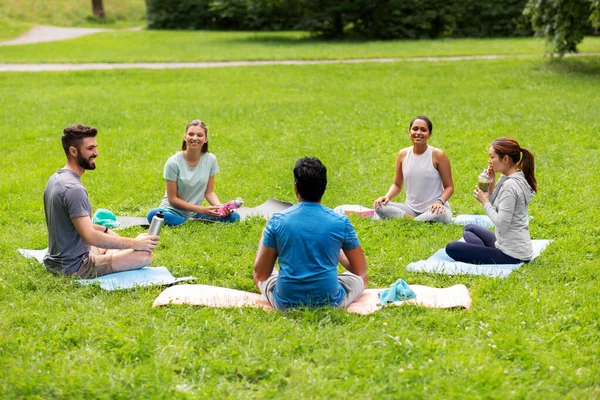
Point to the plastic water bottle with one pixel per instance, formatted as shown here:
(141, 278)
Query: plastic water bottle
(157, 222)
(230, 205)
(484, 181)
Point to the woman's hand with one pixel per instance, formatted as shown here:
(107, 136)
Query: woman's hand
(226, 212)
(480, 195)
(211, 211)
(437, 207)
(382, 201)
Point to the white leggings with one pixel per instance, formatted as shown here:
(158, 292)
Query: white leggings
(399, 210)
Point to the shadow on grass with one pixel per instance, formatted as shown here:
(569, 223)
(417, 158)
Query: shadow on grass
(584, 66)
(305, 39)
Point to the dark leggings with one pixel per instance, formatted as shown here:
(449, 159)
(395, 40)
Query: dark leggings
(478, 248)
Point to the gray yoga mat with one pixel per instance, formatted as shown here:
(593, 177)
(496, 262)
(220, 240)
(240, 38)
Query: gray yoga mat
(265, 210)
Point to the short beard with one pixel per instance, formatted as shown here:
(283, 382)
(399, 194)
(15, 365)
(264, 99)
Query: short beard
(84, 163)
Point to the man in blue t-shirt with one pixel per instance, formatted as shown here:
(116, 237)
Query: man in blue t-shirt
(309, 239)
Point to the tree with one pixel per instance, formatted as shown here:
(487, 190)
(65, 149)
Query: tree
(98, 8)
(562, 22)
(595, 17)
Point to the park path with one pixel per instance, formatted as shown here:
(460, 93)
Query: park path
(223, 64)
(40, 34)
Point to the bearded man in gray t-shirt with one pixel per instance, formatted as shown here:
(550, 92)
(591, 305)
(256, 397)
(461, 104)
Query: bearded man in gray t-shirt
(76, 246)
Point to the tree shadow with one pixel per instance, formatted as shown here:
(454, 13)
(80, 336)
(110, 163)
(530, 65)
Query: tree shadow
(584, 66)
(283, 40)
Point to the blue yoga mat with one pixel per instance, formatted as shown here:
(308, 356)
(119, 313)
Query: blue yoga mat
(441, 263)
(146, 276)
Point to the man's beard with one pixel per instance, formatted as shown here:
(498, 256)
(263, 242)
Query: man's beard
(85, 163)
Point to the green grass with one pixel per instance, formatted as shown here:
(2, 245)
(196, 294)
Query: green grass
(12, 29)
(156, 46)
(535, 334)
(73, 12)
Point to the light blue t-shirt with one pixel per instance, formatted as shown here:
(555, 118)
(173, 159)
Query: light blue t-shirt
(308, 238)
(191, 181)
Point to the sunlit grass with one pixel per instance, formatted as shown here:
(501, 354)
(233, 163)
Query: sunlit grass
(534, 334)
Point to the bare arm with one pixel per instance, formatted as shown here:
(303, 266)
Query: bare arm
(176, 202)
(264, 263)
(212, 197)
(93, 237)
(396, 187)
(210, 194)
(442, 164)
(445, 170)
(354, 261)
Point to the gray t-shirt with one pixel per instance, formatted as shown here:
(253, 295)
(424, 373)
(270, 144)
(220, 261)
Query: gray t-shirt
(65, 198)
(191, 181)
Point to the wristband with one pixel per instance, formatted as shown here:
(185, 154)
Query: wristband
(106, 229)
(442, 200)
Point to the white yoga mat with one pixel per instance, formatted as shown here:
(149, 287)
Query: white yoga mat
(367, 303)
(146, 276)
(441, 263)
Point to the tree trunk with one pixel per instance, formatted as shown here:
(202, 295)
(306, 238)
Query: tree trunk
(98, 8)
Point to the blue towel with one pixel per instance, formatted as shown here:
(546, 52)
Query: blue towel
(399, 291)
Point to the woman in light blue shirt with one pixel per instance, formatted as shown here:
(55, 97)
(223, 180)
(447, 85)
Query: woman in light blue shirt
(190, 178)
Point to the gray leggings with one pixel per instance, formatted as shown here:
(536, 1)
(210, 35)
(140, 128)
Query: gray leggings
(352, 284)
(399, 210)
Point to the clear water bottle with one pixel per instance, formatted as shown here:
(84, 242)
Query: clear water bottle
(230, 205)
(157, 222)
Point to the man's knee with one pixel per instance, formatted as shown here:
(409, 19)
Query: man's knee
(146, 257)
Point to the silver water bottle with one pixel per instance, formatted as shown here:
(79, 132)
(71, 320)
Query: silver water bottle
(157, 222)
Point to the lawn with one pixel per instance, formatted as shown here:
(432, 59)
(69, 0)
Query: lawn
(535, 334)
(165, 46)
(73, 12)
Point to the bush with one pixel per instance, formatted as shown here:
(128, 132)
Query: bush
(223, 14)
(372, 19)
(179, 14)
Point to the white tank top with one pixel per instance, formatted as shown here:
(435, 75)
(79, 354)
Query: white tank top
(422, 182)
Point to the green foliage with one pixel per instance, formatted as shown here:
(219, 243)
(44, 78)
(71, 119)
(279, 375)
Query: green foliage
(374, 19)
(413, 19)
(222, 14)
(562, 23)
(531, 335)
(595, 15)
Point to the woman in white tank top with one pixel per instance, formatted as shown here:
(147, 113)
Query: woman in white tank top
(427, 178)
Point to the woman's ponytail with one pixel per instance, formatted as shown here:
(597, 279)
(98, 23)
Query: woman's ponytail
(522, 158)
(527, 165)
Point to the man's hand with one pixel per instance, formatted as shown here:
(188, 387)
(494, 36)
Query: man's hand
(145, 242)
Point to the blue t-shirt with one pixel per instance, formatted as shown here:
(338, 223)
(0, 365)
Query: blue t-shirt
(308, 238)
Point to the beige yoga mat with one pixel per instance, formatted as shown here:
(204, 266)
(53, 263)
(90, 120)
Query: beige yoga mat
(367, 303)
